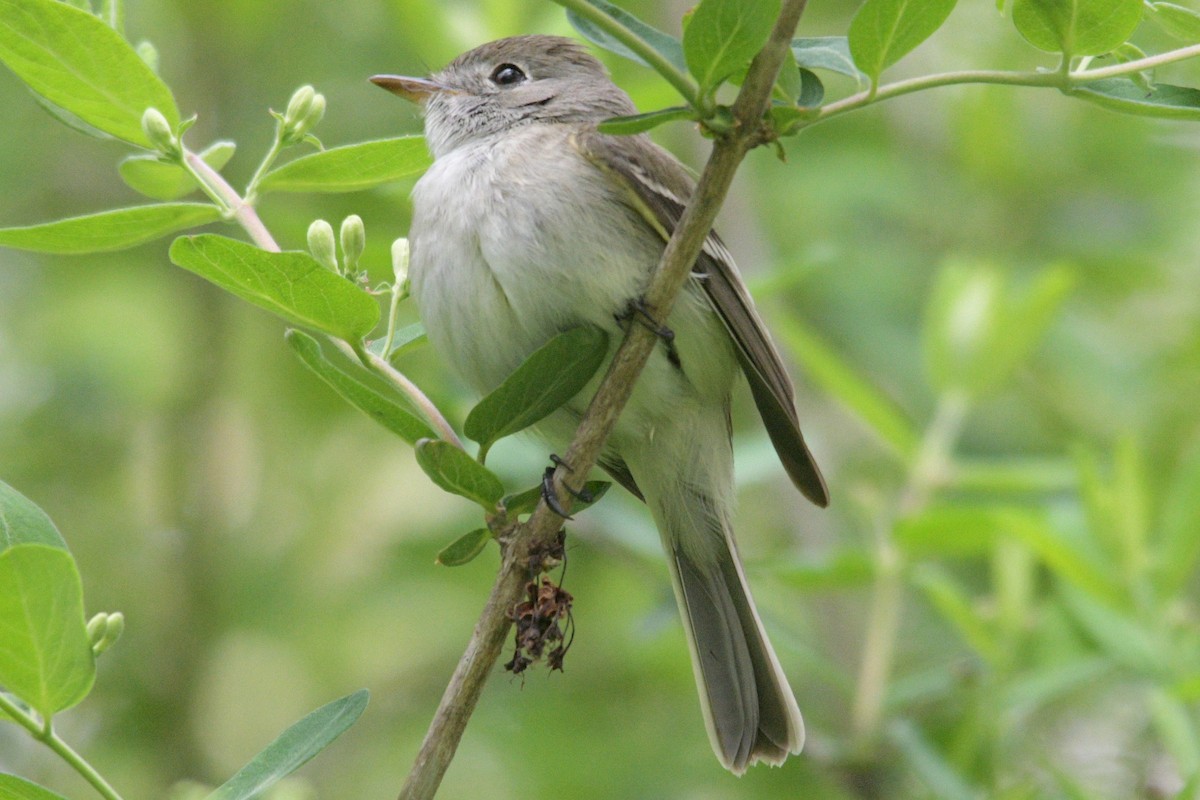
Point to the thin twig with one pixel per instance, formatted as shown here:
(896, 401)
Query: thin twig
(677, 261)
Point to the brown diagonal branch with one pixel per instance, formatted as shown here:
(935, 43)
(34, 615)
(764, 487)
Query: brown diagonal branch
(680, 255)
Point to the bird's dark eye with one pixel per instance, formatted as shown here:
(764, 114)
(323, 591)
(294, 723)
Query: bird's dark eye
(507, 75)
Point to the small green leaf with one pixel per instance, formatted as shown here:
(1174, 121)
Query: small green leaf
(1126, 639)
(14, 788)
(109, 230)
(46, 659)
(75, 61)
(385, 410)
(826, 52)
(1179, 21)
(949, 599)
(640, 123)
(884, 31)
(1076, 27)
(551, 376)
(723, 36)
(525, 502)
(405, 339)
(1122, 94)
(292, 285)
(464, 549)
(665, 45)
(351, 168)
(456, 472)
(161, 180)
(293, 748)
(22, 522)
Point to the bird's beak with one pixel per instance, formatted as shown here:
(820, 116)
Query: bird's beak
(416, 90)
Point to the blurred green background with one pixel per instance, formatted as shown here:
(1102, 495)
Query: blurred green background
(1024, 595)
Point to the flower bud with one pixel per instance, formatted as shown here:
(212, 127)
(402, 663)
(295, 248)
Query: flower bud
(400, 256)
(305, 110)
(299, 105)
(321, 244)
(354, 241)
(104, 629)
(148, 53)
(159, 132)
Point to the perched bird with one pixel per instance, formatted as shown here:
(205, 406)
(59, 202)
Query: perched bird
(531, 222)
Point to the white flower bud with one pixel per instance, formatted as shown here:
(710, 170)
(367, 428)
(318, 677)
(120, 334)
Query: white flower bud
(321, 244)
(159, 132)
(400, 256)
(354, 241)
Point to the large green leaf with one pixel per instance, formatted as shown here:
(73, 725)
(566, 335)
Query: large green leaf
(22, 522)
(884, 31)
(359, 392)
(109, 230)
(665, 45)
(1162, 100)
(45, 657)
(75, 61)
(293, 748)
(163, 180)
(724, 35)
(292, 285)
(456, 472)
(351, 168)
(1076, 27)
(14, 788)
(551, 376)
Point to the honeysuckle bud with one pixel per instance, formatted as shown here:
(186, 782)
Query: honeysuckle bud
(104, 629)
(322, 245)
(304, 111)
(400, 256)
(299, 105)
(148, 53)
(159, 132)
(354, 241)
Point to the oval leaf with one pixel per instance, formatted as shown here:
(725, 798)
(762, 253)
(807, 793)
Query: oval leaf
(1163, 100)
(1076, 27)
(551, 376)
(640, 123)
(664, 44)
(22, 522)
(826, 52)
(14, 788)
(1179, 21)
(292, 285)
(884, 31)
(293, 748)
(464, 549)
(46, 659)
(164, 181)
(75, 61)
(456, 472)
(724, 35)
(351, 168)
(385, 410)
(109, 230)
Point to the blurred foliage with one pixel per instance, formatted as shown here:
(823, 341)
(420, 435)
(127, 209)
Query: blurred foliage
(993, 303)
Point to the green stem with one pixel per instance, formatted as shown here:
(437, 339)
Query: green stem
(269, 159)
(227, 197)
(45, 734)
(682, 82)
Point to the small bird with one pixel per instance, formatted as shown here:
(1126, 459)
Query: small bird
(531, 222)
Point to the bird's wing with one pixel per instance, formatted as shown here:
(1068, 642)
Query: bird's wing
(660, 198)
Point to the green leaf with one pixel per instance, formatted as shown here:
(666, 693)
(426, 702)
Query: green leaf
(386, 410)
(945, 595)
(640, 123)
(162, 180)
(1076, 27)
(928, 765)
(525, 502)
(109, 230)
(292, 285)
(293, 748)
(829, 371)
(403, 340)
(78, 63)
(351, 168)
(665, 45)
(1179, 546)
(22, 522)
(884, 31)
(46, 659)
(1182, 23)
(551, 376)
(14, 788)
(723, 36)
(1126, 640)
(1122, 94)
(464, 549)
(456, 472)
(826, 52)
